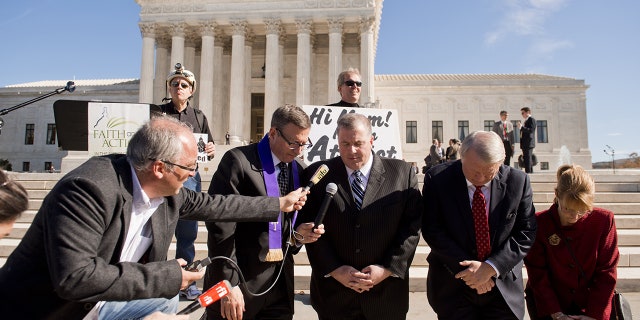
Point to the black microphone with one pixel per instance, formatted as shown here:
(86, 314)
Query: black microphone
(331, 189)
(71, 86)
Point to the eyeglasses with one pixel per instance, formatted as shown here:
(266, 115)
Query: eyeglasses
(175, 84)
(579, 214)
(350, 83)
(177, 165)
(295, 145)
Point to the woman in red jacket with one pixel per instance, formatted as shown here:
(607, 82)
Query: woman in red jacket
(572, 264)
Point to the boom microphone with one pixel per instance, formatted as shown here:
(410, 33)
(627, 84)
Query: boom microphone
(320, 173)
(331, 189)
(215, 293)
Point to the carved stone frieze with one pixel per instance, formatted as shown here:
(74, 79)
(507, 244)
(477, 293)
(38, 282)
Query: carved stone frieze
(327, 3)
(311, 3)
(343, 3)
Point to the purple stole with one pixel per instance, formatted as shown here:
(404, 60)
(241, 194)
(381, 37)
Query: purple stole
(273, 190)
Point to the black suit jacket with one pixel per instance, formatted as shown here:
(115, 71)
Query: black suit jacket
(528, 134)
(69, 258)
(448, 229)
(345, 104)
(240, 172)
(384, 232)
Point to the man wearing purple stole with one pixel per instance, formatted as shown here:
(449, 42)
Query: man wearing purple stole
(263, 251)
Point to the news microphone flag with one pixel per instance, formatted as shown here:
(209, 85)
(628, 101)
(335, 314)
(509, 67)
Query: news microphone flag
(215, 293)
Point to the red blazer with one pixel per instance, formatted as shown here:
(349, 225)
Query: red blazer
(553, 275)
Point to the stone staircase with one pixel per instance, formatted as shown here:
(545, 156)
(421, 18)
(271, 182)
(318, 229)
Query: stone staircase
(618, 192)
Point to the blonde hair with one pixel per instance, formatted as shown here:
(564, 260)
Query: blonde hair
(576, 186)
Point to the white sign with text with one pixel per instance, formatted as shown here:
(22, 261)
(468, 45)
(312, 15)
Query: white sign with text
(111, 126)
(384, 123)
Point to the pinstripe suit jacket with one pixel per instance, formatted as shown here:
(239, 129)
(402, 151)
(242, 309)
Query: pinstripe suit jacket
(448, 229)
(384, 232)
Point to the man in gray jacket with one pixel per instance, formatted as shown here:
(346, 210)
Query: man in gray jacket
(98, 245)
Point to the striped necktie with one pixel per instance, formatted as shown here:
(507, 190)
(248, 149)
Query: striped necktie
(357, 189)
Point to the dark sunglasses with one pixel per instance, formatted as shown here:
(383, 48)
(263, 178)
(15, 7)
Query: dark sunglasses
(175, 84)
(350, 83)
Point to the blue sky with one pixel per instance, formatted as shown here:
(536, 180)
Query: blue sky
(593, 40)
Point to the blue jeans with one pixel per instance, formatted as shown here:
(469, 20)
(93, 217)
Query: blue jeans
(187, 230)
(137, 309)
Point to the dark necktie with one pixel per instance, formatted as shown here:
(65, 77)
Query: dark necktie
(481, 224)
(504, 131)
(283, 178)
(357, 188)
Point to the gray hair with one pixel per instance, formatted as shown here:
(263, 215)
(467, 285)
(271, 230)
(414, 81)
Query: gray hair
(290, 114)
(158, 139)
(486, 144)
(344, 74)
(14, 199)
(349, 121)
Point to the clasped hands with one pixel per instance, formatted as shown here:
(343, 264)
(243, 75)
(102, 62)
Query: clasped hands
(477, 276)
(360, 280)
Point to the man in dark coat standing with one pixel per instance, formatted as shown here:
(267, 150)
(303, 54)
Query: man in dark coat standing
(479, 222)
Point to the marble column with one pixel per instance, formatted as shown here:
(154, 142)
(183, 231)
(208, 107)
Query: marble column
(272, 70)
(237, 83)
(189, 62)
(145, 94)
(220, 107)
(303, 71)
(335, 58)
(367, 57)
(162, 69)
(247, 134)
(177, 31)
(207, 32)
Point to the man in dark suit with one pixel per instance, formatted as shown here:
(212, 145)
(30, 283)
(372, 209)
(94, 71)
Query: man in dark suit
(261, 250)
(360, 265)
(479, 222)
(349, 86)
(504, 128)
(527, 138)
(101, 236)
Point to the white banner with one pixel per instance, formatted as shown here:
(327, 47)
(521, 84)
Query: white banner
(111, 125)
(324, 136)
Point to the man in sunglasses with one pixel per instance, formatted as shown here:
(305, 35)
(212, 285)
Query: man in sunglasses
(349, 86)
(181, 84)
(262, 250)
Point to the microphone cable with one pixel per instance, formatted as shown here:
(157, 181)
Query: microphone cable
(243, 281)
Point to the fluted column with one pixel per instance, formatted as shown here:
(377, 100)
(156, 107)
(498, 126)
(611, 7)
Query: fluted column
(248, 53)
(162, 69)
(303, 72)
(272, 70)
(366, 60)
(220, 108)
(177, 43)
(335, 58)
(207, 32)
(145, 94)
(237, 109)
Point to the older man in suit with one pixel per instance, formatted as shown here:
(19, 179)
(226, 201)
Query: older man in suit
(527, 138)
(360, 266)
(479, 222)
(98, 245)
(261, 250)
(504, 128)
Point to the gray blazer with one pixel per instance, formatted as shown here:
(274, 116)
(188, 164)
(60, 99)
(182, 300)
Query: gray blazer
(69, 258)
